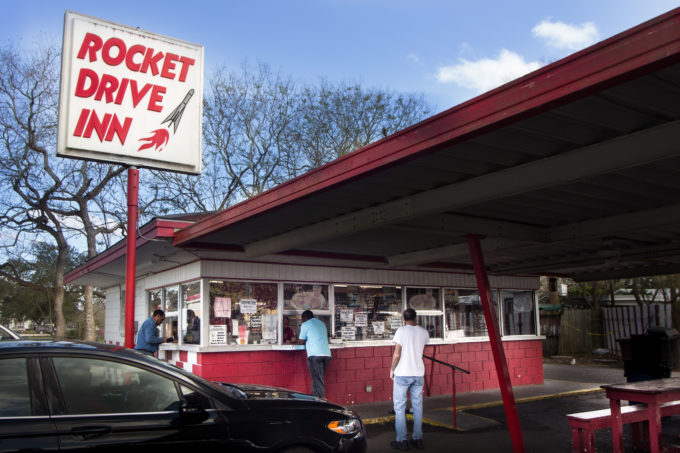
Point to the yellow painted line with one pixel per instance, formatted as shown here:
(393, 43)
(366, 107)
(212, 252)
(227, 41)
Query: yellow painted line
(523, 400)
(390, 418)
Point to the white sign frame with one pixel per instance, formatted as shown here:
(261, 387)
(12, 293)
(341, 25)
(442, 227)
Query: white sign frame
(143, 109)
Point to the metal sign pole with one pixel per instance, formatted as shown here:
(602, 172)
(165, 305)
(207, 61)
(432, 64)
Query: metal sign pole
(130, 269)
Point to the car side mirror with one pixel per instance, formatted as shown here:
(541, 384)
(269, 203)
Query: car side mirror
(191, 413)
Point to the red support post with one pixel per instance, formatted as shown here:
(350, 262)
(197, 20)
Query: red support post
(130, 270)
(496, 345)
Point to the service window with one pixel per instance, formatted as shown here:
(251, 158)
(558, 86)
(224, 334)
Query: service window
(519, 313)
(15, 399)
(298, 297)
(93, 386)
(171, 308)
(464, 313)
(191, 313)
(243, 313)
(367, 312)
(428, 306)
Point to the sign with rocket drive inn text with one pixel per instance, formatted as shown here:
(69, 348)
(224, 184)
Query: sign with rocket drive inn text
(129, 97)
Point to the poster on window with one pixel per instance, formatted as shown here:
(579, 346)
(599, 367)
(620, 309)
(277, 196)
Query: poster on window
(423, 301)
(361, 319)
(349, 333)
(310, 300)
(242, 334)
(248, 306)
(222, 307)
(218, 334)
(395, 323)
(378, 327)
(269, 327)
(346, 315)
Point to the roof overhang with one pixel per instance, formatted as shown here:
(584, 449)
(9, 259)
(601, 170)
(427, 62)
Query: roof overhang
(571, 170)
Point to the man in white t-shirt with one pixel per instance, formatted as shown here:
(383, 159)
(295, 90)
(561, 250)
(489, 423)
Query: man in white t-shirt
(408, 373)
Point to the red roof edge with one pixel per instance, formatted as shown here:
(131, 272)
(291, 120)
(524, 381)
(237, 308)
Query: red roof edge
(639, 50)
(157, 228)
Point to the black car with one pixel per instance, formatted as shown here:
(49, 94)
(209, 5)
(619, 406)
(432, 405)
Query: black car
(72, 396)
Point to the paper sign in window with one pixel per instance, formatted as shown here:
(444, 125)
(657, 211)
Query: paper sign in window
(222, 307)
(248, 306)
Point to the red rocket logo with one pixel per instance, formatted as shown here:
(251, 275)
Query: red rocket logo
(161, 137)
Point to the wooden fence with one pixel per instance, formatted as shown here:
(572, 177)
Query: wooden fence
(581, 330)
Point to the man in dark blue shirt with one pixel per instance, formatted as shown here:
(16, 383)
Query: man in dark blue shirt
(147, 337)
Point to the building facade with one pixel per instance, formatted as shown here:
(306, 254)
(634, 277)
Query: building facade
(228, 320)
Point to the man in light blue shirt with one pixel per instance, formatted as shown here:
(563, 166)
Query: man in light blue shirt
(314, 336)
(147, 337)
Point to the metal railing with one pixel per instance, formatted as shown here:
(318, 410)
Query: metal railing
(453, 368)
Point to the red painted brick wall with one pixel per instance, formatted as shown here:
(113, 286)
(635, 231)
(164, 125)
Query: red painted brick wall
(352, 369)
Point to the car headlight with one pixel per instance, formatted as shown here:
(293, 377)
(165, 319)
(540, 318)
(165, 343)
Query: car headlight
(347, 426)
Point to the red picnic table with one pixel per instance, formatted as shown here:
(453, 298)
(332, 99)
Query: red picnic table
(652, 393)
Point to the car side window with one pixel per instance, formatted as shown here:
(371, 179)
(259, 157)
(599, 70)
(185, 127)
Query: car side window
(94, 386)
(15, 399)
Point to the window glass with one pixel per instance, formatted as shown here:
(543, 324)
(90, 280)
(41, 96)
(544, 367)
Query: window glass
(191, 313)
(121, 314)
(170, 300)
(15, 400)
(428, 306)
(519, 313)
(243, 313)
(367, 312)
(92, 386)
(464, 313)
(155, 300)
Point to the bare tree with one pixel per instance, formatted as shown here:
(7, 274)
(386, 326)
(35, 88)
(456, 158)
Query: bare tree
(261, 128)
(43, 195)
(343, 117)
(665, 287)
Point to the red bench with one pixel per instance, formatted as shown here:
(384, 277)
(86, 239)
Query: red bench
(584, 424)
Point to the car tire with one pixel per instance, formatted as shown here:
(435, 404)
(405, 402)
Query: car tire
(298, 449)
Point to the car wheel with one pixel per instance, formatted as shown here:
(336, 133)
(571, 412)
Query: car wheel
(298, 449)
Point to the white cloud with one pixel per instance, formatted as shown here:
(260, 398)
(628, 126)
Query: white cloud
(567, 36)
(413, 57)
(485, 74)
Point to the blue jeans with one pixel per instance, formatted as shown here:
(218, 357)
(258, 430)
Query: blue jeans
(402, 386)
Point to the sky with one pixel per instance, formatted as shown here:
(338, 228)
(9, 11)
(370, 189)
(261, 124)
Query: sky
(448, 50)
